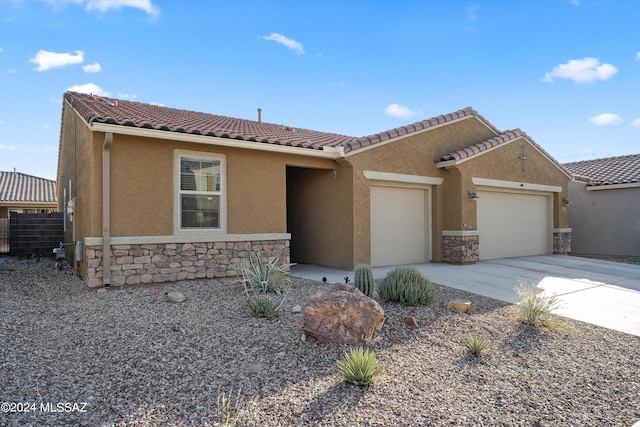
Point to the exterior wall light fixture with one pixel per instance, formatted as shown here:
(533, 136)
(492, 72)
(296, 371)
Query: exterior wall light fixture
(566, 201)
(473, 195)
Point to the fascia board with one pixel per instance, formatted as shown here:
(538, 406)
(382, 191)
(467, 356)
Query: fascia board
(515, 185)
(212, 140)
(400, 177)
(613, 186)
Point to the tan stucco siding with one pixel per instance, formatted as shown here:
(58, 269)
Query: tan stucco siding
(414, 155)
(79, 161)
(141, 187)
(320, 217)
(506, 163)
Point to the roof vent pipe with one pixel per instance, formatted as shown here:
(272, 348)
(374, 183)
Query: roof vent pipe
(260, 115)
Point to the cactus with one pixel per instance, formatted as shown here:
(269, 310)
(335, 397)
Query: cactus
(363, 280)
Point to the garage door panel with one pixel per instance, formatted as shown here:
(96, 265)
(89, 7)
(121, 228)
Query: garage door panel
(398, 226)
(511, 224)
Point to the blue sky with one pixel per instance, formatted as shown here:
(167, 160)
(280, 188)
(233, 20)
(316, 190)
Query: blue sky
(567, 72)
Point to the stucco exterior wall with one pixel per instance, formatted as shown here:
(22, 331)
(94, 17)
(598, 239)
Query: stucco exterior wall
(79, 163)
(506, 164)
(414, 155)
(320, 216)
(605, 222)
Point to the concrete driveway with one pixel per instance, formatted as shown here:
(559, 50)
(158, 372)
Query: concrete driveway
(603, 293)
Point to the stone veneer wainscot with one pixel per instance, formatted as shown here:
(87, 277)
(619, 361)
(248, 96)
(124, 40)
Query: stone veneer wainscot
(460, 247)
(133, 264)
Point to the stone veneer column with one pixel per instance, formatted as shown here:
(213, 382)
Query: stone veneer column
(169, 262)
(562, 241)
(460, 247)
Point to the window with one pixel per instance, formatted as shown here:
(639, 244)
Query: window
(201, 192)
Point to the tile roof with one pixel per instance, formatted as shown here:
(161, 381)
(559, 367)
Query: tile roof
(19, 187)
(485, 145)
(608, 171)
(96, 109)
(488, 144)
(415, 127)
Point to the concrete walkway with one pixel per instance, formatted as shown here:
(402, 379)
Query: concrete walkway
(603, 293)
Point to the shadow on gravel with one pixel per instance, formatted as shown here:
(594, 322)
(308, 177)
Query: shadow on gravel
(322, 408)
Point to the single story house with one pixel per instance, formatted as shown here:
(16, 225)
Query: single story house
(605, 215)
(22, 193)
(172, 194)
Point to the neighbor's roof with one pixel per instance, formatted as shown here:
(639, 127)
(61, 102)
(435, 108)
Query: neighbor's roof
(608, 171)
(96, 109)
(22, 188)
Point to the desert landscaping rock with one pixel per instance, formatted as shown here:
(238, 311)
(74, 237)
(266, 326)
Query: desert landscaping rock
(342, 314)
(136, 362)
(176, 297)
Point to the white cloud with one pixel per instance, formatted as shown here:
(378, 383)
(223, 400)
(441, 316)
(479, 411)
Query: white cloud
(575, 2)
(126, 96)
(90, 88)
(47, 60)
(638, 56)
(7, 147)
(92, 68)
(581, 71)
(285, 41)
(636, 123)
(472, 13)
(606, 119)
(397, 110)
(11, 71)
(105, 5)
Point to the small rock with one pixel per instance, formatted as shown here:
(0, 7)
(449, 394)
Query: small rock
(296, 309)
(411, 322)
(462, 306)
(175, 296)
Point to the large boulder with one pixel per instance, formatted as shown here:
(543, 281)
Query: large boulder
(342, 314)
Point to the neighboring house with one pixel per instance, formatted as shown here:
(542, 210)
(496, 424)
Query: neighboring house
(21, 193)
(174, 194)
(605, 215)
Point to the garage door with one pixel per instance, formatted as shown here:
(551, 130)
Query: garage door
(398, 226)
(512, 225)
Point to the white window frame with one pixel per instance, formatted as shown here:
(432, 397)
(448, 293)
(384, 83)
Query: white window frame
(177, 192)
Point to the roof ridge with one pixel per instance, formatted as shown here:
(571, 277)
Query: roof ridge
(425, 124)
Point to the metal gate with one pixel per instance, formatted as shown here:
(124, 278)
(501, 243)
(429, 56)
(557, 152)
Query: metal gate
(4, 235)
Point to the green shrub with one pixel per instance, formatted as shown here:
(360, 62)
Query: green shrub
(533, 308)
(407, 286)
(475, 344)
(263, 308)
(254, 274)
(363, 280)
(359, 367)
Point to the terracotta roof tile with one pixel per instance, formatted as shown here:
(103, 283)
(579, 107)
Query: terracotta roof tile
(414, 127)
(19, 187)
(608, 171)
(478, 148)
(95, 109)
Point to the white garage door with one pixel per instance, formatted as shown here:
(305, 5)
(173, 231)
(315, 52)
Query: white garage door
(398, 226)
(512, 225)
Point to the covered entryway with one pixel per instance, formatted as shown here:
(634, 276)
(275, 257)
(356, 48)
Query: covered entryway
(399, 226)
(513, 224)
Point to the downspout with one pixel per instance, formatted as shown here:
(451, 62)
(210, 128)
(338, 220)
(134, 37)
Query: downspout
(106, 205)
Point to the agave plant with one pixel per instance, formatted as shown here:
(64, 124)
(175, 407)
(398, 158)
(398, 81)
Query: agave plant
(263, 277)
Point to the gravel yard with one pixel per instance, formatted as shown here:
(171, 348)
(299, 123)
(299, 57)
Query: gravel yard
(127, 357)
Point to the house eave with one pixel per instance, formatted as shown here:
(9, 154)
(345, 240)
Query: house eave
(326, 152)
(613, 186)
